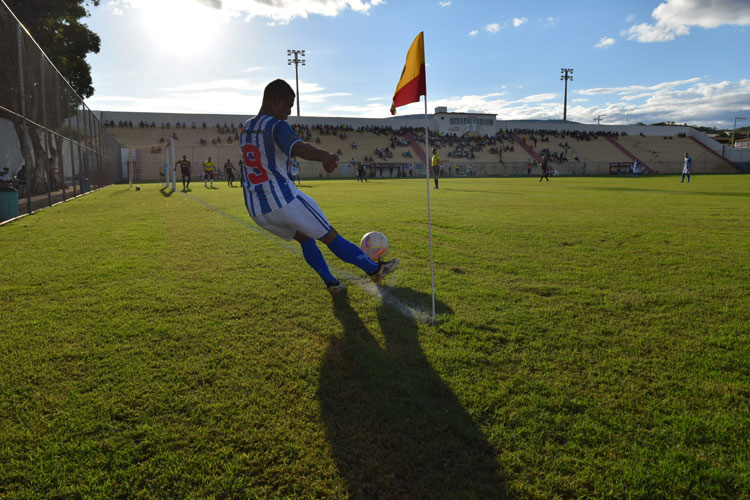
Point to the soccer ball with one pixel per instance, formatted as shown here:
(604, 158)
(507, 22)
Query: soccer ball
(138, 188)
(374, 244)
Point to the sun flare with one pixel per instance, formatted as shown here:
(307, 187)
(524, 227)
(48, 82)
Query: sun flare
(183, 28)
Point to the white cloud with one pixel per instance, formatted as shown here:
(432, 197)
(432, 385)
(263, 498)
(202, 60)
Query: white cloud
(605, 42)
(492, 27)
(539, 97)
(276, 11)
(549, 22)
(630, 18)
(675, 18)
(518, 21)
(473, 33)
(225, 84)
(445, 4)
(631, 89)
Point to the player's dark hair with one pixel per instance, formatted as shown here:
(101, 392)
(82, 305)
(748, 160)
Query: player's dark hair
(277, 89)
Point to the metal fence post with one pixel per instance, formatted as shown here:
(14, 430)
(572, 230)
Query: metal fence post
(24, 142)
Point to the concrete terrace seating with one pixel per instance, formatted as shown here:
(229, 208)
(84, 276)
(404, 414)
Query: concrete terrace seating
(592, 150)
(665, 155)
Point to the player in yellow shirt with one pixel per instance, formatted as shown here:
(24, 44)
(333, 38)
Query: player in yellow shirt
(208, 172)
(435, 166)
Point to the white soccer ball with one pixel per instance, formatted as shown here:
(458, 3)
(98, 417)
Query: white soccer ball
(374, 244)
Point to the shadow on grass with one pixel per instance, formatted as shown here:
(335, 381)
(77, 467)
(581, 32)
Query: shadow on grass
(166, 192)
(662, 191)
(396, 429)
(476, 191)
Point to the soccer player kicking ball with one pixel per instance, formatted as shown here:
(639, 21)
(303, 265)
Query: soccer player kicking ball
(275, 203)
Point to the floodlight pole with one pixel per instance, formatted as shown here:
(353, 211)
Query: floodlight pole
(566, 74)
(735, 126)
(599, 119)
(296, 61)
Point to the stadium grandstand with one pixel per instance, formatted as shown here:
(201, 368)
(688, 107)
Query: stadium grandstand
(470, 144)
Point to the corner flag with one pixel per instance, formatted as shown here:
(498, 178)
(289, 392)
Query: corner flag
(413, 82)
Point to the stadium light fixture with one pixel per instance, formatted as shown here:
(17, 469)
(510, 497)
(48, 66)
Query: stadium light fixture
(296, 61)
(735, 126)
(566, 74)
(599, 119)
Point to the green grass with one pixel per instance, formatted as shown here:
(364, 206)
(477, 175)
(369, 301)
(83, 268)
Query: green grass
(593, 343)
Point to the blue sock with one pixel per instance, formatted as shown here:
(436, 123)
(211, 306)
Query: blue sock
(351, 253)
(315, 259)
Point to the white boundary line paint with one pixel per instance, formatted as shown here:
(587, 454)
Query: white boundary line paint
(383, 295)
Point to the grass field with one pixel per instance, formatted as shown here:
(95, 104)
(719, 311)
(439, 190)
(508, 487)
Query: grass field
(593, 342)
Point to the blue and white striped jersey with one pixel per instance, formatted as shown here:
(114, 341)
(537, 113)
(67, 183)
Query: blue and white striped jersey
(266, 144)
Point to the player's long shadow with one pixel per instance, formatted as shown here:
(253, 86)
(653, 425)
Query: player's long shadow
(395, 428)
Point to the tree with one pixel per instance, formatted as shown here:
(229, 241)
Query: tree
(57, 28)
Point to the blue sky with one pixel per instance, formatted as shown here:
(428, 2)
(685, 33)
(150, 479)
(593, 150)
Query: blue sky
(638, 61)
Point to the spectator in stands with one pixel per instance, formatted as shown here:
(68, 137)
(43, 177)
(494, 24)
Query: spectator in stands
(686, 168)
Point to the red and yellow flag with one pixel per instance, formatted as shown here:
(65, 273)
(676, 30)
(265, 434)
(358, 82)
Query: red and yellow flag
(413, 82)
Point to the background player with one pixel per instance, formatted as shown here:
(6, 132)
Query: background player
(208, 172)
(686, 168)
(545, 168)
(436, 166)
(275, 203)
(185, 170)
(229, 170)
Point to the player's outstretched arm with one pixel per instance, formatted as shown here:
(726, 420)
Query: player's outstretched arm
(309, 152)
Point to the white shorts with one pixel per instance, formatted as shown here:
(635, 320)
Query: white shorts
(302, 215)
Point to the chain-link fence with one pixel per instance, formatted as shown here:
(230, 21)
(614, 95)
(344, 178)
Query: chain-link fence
(51, 144)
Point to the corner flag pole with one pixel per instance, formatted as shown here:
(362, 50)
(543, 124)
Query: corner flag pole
(412, 85)
(429, 211)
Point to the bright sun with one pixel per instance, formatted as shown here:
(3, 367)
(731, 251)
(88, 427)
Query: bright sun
(183, 28)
